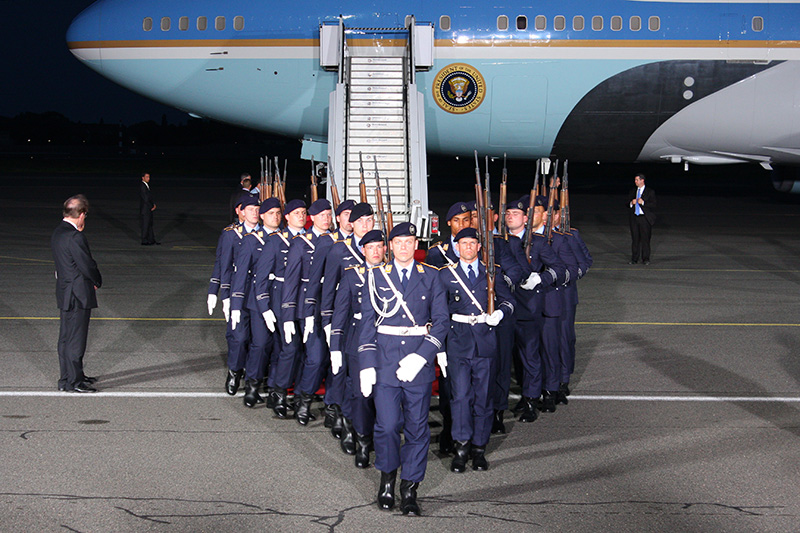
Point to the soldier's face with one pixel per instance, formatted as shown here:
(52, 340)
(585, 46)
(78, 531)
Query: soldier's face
(474, 221)
(322, 220)
(374, 252)
(539, 216)
(515, 219)
(459, 222)
(344, 221)
(556, 218)
(251, 214)
(363, 225)
(297, 218)
(272, 218)
(468, 248)
(403, 249)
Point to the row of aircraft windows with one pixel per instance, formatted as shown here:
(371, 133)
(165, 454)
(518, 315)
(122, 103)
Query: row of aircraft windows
(202, 23)
(578, 23)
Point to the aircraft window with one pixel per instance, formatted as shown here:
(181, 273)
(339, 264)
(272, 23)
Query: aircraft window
(202, 23)
(238, 23)
(522, 22)
(444, 22)
(540, 22)
(758, 23)
(165, 23)
(616, 23)
(597, 23)
(502, 23)
(636, 23)
(147, 24)
(654, 24)
(183, 23)
(219, 23)
(577, 23)
(559, 23)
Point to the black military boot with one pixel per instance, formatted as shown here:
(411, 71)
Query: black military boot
(330, 415)
(280, 403)
(348, 441)
(408, 498)
(548, 403)
(529, 413)
(520, 407)
(479, 462)
(337, 428)
(563, 392)
(564, 387)
(302, 409)
(251, 395)
(386, 490)
(269, 393)
(459, 462)
(498, 426)
(232, 381)
(363, 447)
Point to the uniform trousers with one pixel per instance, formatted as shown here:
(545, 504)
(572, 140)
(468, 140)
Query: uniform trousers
(567, 333)
(260, 344)
(405, 408)
(336, 385)
(470, 402)
(238, 342)
(551, 356)
(528, 336)
(315, 361)
(72, 334)
(355, 406)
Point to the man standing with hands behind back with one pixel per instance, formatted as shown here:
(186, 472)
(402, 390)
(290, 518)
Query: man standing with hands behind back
(146, 208)
(77, 279)
(642, 218)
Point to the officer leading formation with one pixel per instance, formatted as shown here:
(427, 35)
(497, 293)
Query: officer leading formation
(341, 304)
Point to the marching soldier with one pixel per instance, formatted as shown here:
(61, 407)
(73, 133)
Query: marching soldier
(271, 267)
(345, 329)
(472, 349)
(404, 323)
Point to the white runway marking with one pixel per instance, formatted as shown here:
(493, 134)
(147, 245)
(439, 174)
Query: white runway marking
(604, 397)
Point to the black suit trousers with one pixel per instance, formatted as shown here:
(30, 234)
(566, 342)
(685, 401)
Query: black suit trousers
(72, 345)
(148, 236)
(640, 238)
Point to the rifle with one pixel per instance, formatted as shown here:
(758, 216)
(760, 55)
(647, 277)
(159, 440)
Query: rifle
(277, 188)
(379, 200)
(334, 190)
(531, 210)
(384, 216)
(314, 194)
(362, 187)
(503, 199)
(488, 244)
(551, 205)
(565, 219)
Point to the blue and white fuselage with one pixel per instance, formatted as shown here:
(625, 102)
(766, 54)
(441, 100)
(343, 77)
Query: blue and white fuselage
(626, 80)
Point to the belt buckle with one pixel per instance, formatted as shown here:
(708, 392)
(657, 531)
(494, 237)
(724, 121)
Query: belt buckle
(404, 331)
(473, 320)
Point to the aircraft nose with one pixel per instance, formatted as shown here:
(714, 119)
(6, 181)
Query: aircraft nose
(83, 35)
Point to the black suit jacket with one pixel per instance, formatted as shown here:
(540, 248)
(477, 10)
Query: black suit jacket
(76, 272)
(146, 202)
(649, 207)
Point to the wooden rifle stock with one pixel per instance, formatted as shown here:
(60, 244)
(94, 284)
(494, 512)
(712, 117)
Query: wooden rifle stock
(488, 244)
(531, 210)
(503, 200)
(314, 193)
(379, 202)
(362, 186)
(334, 189)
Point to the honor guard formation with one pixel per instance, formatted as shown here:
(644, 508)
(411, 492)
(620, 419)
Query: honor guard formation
(340, 304)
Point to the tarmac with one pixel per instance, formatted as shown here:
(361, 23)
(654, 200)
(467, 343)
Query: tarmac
(684, 416)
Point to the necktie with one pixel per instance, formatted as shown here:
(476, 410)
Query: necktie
(472, 277)
(404, 278)
(638, 207)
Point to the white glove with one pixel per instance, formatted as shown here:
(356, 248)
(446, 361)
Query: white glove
(327, 330)
(308, 328)
(236, 317)
(336, 361)
(410, 366)
(532, 281)
(441, 358)
(495, 318)
(269, 318)
(288, 331)
(226, 308)
(368, 378)
(212, 303)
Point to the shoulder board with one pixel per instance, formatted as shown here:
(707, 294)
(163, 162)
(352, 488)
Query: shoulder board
(296, 236)
(229, 227)
(421, 263)
(351, 267)
(540, 235)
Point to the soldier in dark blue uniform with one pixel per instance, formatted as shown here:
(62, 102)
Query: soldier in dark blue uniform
(359, 411)
(440, 255)
(271, 267)
(472, 349)
(344, 254)
(244, 309)
(300, 304)
(404, 323)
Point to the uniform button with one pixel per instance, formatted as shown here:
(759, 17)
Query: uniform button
(423, 297)
(404, 316)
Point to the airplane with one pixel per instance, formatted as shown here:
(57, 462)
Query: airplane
(682, 81)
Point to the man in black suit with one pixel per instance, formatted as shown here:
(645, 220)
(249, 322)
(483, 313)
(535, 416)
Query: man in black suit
(77, 279)
(642, 218)
(146, 208)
